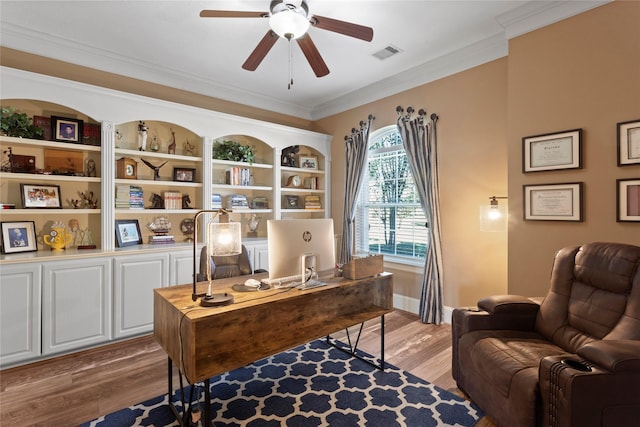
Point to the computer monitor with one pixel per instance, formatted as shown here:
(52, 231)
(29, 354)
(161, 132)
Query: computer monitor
(290, 239)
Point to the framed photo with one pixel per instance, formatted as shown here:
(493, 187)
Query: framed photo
(293, 202)
(66, 130)
(184, 174)
(553, 202)
(40, 196)
(128, 233)
(43, 123)
(18, 237)
(552, 151)
(628, 200)
(308, 162)
(629, 143)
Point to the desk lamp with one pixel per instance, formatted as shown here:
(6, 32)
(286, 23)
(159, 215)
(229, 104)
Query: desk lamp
(223, 238)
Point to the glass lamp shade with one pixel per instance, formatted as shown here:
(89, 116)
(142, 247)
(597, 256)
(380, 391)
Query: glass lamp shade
(493, 218)
(224, 238)
(289, 22)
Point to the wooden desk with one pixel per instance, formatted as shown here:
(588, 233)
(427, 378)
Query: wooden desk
(207, 341)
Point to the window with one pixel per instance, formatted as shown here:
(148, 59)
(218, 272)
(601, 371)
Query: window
(389, 218)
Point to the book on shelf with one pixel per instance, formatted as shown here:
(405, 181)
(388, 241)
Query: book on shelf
(311, 183)
(129, 197)
(172, 200)
(312, 202)
(159, 239)
(216, 201)
(237, 201)
(238, 176)
(7, 206)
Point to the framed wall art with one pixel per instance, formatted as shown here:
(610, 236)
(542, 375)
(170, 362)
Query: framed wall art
(40, 196)
(18, 236)
(629, 143)
(127, 232)
(64, 129)
(552, 151)
(553, 202)
(628, 200)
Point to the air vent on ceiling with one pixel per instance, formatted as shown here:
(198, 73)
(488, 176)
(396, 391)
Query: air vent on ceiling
(387, 52)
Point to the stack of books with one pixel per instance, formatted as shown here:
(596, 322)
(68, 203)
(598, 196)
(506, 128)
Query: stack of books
(312, 202)
(237, 201)
(238, 176)
(161, 239)
(311, 183)
(172, 200)
(129, 197)
(216, 201)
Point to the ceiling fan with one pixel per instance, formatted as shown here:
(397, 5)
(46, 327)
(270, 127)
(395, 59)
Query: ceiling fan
(290, 19)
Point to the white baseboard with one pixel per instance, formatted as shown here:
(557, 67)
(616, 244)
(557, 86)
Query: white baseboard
(412, 305)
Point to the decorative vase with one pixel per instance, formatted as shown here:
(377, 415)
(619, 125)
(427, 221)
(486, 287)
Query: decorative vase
(57, 238)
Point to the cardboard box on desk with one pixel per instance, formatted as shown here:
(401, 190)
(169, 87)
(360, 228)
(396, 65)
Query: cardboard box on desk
(359, 268)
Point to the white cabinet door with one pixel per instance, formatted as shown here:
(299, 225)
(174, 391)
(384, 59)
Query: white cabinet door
(261, 257)
(76, 304)
(181, 267)
(135, 278)
(20, 303)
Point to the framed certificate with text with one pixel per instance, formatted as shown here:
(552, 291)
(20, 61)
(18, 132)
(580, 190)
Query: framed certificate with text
(552, 151)
(629, 143)
(553, 202)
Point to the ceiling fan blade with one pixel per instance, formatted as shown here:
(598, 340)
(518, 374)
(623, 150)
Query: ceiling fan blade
(347, 28)
(313, 56)
(260, 51)
(231, 14)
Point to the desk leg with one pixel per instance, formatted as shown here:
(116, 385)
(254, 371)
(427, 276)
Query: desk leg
(207, 402)
(352, 348)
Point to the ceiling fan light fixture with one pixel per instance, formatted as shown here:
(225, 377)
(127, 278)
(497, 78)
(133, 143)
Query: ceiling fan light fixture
(289, 24)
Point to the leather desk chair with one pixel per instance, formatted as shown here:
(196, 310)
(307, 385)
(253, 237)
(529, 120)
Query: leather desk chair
(225, 266)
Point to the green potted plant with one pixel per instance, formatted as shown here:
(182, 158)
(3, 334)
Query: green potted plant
(13, 123)
(234, 151)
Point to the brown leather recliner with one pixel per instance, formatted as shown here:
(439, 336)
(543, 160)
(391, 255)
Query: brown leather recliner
(572, 359)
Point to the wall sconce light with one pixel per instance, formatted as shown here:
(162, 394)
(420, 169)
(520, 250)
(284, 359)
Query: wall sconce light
(493, 217)
(223, 238)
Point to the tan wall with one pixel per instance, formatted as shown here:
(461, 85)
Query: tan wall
(472, 153)
(583, 72)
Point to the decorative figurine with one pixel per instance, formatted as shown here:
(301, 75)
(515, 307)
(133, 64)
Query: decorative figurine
(155, 143)
(185, 201)
(252, 223)
(187, 228)
(156, 169)
(160, 226)
(157, 201)
(171, 149)
(142, 136)
(57, 238)
(118, 138)
(189, 149)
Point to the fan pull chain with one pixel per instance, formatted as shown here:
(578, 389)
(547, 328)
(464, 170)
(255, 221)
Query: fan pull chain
(289, 37)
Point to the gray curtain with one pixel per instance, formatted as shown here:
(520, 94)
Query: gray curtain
(356, 159)
(419, 138)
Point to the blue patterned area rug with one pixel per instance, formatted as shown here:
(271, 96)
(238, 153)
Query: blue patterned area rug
(311, 386)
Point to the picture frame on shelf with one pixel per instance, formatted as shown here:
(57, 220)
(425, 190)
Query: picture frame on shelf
(18, 236)
(628, 200)
(40, 196)
(127, 232)
(43, 123)
(629, 143)
(184, 174)
(92, 134)
(64, 129)
(553, 202)
(309, 162)
(293, 202)
(552, 151)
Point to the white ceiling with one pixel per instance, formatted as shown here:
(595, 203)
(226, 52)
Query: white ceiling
(166, 42)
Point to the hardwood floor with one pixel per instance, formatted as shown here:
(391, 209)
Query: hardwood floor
(76, 388)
